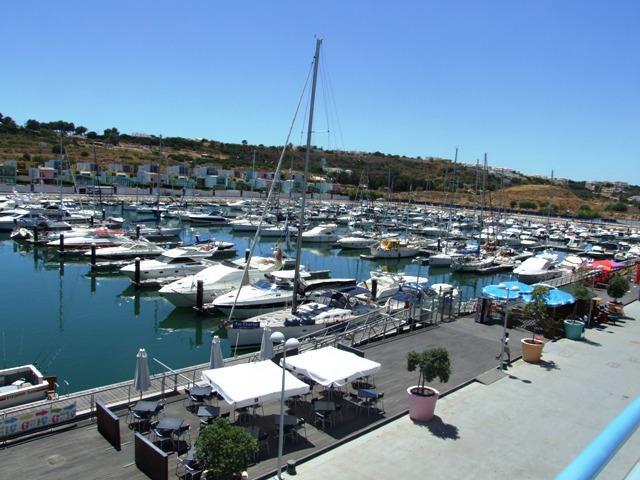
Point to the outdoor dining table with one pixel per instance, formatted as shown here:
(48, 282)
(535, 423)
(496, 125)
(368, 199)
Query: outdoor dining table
(145, 408)
(200, 392)
(287, 420)
(171, 425)
(324, 406)
(208, 412)
(254, 431)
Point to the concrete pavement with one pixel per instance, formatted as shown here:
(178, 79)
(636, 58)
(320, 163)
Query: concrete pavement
(529, 424)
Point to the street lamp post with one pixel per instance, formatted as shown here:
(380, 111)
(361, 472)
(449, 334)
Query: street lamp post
(278, 338)
(503, 353)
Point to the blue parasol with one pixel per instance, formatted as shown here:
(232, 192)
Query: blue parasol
(499, 292)
(556, 297)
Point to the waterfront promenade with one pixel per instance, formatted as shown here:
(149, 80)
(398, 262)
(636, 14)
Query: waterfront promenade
(80, 452)
(529, 424)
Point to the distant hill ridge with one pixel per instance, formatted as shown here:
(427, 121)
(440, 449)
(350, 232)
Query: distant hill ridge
(432, 178)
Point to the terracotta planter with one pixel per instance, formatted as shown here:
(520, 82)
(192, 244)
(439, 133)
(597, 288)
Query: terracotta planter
(422, 408)
(531, 350)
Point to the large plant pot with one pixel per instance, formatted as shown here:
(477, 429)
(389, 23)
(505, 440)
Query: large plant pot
(573, 329)
(422, 407)
(531, 350)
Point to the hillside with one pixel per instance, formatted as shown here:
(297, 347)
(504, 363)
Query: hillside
(431, 179)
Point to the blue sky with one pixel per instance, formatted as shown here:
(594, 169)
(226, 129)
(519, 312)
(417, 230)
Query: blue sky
(550, 84)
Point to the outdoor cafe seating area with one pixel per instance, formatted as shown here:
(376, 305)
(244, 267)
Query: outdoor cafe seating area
(248, 396)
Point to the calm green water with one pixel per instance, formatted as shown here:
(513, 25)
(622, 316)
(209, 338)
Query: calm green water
(88, 330)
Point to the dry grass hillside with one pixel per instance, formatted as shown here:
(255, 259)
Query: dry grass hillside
(425, 179)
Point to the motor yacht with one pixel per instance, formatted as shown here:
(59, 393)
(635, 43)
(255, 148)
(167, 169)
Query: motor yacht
(101, 237)
(172, 264)
(329, 308)
(393, 248)
(132, 249)
(272, 293)
(216, 280)
(356, 241)
(538, 269)
(323, 233)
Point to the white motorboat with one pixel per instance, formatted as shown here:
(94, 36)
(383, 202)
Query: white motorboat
(572, 263)
(443, 259)
(246, 224)
(211, 218)
(262, 296)
(272, 294)
(216, 280)
(278, 231)
(393, 248)
(172, 264)
(101, 237)
(356, 242)
(22, 385)
(383, 285)
(323, 233)
(158, 232)
(132, 249)
(537, 269)
(471, 263)
(328, 309)
(9, 219)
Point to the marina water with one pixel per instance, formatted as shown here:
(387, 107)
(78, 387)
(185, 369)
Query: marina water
(86, 329)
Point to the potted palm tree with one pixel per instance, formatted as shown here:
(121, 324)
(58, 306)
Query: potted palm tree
(431, 364)
(537, 310)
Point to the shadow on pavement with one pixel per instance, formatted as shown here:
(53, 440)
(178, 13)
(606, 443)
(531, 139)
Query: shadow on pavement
(548, 366)
(439, 429)
(523, 380)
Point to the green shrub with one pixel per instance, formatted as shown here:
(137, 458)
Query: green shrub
(528, 205)
(224, 449)
(618, 286)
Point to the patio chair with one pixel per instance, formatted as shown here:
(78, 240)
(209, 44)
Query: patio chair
(161, 436)
(323, 418)
(355, 401)
(186, 430)
(190, 468)
(373, 401)
(299, 427)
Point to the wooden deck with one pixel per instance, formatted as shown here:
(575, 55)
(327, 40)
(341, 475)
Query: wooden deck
(80, 452)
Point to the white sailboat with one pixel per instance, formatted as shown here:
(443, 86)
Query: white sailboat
(299, 319)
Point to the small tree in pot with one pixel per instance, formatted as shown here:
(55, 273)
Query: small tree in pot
(224, 450)
(618, 286)
(536, 309)
(583, 293)
(431, 364)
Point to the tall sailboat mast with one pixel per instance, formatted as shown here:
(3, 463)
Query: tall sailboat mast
(296, 278)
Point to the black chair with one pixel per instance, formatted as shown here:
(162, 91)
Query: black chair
(162, 436)
(185, 430)
(354, 401)
(190, 468)
(294, 431)
(323, 418)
